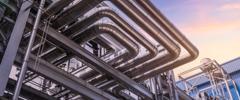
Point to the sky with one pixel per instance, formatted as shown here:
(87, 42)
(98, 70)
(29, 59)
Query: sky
(213, 26)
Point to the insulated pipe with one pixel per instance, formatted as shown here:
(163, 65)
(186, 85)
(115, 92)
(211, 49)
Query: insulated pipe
(123, 25)
(176, 34)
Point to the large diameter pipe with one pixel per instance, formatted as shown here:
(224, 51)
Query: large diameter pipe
(26, 57)
(123, 25)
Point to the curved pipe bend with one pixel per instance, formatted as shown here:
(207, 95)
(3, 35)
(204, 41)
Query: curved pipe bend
(137, 16)
(97, 30)
(176, 34)
(148, 26)
(123, 25)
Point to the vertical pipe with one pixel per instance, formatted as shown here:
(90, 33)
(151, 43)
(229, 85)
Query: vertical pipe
(31, 41)
(222, 90)
(227, 85)
(225, 77)
(171, 89)
(235, 87)
(174, 85)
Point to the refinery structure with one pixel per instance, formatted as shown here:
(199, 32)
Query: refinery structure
(102, 50)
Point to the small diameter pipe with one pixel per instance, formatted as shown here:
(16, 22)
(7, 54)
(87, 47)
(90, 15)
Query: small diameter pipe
(31, 41)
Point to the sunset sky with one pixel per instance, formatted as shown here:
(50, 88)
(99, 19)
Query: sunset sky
(213, 26)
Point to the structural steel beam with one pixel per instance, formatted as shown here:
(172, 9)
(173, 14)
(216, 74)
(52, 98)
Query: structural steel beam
(95, 63)
(28, 92)
(13, 44)
(65, 79)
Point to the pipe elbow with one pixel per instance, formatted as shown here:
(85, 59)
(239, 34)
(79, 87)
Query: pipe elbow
(176, 52)
(195, 53)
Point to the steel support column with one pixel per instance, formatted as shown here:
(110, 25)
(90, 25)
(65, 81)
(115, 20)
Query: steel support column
(13, 44)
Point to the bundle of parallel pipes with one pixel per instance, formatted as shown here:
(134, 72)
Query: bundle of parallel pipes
(138, 44)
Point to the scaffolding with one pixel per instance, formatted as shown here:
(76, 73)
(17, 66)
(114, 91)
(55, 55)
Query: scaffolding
(218, 78)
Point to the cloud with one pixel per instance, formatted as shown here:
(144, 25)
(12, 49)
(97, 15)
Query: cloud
(231, 6)
(213, 27)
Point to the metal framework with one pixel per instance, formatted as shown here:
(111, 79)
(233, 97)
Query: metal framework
(216, 75)
(73, 53)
